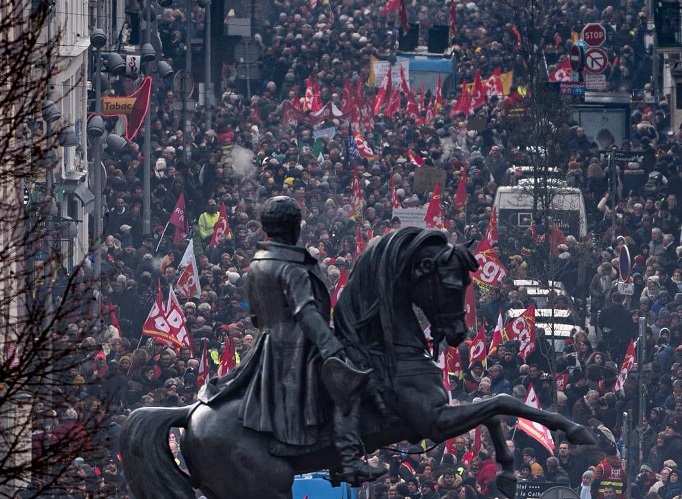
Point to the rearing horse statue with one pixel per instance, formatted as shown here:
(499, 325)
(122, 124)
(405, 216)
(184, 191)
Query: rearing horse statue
(376, 321)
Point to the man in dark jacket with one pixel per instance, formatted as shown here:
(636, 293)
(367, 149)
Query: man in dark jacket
(617, 327)
(672, 448)
(290, 304)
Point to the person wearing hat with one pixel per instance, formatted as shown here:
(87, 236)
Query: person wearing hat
(428, 490)
(673, 485)
(207, 220)
(528, 456)
(616, 326)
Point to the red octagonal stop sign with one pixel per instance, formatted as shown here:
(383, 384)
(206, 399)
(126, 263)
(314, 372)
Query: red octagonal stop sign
(594, 34)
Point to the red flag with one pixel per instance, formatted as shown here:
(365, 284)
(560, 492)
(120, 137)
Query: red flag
(221, 227)
(360, 244)
(393, 105)
(255, 114)
(491, 230)
(438, 102)
(453, 361)
(228, 360)
(402, 15)
(460, 200)
(384, 90)
(317, 97)
(347, 97)
(453, 19)
(627, 365)
(188, 282)
(477, 92)
(470, 306)
(523, 329)
(415, 160)
(434, 213)
(493, 85)
(463, 104)
(562, 71)
(497, 339)
(296, 102)
(363, 147)
(204, 369)
(175, 317)
(390, 6)
(178, 220)
(156, 324)
(309, 98)
(490, 271)
(536, 430)
(357, 197)
(338, 287)
(443, 365)
(404, 84)
(477, 349)
(134, 120)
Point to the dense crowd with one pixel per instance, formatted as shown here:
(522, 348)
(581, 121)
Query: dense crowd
(248, 155)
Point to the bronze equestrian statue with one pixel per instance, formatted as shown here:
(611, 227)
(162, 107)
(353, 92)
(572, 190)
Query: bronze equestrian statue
(292, 405)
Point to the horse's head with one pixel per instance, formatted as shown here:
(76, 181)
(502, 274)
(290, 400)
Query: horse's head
(440, 276)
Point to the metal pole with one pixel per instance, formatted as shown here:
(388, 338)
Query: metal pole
(641, 359)
(97, 164)
(208, 86)
(187, 142)
(147, 146)
(614, 193)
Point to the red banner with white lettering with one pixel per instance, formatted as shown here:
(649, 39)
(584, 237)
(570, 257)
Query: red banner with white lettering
(175, 318)
(228, 360)
(221, 227)
(179, 221)
(156, 324)
(491, 271)
(477, 349)
(627, 365)
(523, 329)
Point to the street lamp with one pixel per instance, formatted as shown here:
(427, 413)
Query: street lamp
(209, 97)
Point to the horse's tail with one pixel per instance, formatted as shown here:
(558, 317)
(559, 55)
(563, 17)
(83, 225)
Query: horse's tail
(148, 464)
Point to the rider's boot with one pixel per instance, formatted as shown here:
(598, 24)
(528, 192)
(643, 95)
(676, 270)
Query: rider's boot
(347, 442)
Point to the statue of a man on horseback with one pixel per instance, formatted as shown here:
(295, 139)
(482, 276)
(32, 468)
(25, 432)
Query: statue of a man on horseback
(297, 367)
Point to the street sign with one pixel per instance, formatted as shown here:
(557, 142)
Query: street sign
(577, 57)
(247, 51)
(572, 88)
(624, 263)
(250, 71)
(183, 84)
(594, 34)
(596, 61)
(622, 156)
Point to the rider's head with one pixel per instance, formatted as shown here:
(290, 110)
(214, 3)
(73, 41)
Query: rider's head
(281, 219)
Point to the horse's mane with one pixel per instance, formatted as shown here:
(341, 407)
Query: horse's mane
(372, 285)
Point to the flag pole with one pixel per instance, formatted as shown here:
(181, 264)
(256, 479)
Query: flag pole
(161, 238)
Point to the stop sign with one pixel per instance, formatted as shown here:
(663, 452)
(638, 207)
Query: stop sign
(594, 34)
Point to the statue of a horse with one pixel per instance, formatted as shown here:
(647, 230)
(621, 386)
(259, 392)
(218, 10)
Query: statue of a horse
(376, 319)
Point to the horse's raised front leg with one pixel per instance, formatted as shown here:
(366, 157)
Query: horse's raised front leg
(452, 421)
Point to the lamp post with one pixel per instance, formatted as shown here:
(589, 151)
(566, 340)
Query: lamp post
(209, 97)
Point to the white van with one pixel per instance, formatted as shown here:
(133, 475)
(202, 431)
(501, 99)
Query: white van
(515, 209)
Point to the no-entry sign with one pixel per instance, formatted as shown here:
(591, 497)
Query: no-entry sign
(594, 34)
(577, 57)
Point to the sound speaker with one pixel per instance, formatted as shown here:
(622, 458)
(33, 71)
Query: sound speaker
(439, 39)
(408, 42)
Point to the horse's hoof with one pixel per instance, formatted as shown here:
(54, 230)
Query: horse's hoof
(506, 483)
(579, 435)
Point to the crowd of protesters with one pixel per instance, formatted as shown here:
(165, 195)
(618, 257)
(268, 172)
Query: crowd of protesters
(245, 157)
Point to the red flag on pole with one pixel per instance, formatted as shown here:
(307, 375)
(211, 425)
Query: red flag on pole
(414, 159)
(188, 282)
(357, 197)
(477, 92)
(627, 365)
(221, 227)
(491, 230)
(204, 369)
(402, 15)
(497, 339)
(178, 220)
(390, 6)
(463, 104)
(384, 90)
(493, 85)
(477, 349)
(460, 200)
(395, 201)
(393, 105)
(523, 329)
(478, 442)
(531, 428)
(363, 147)
(453, 361)
(562, 71)
(347, 97)
(491, 271)
(228, 360)
(175, 317)
(438, 102)
(434, 213)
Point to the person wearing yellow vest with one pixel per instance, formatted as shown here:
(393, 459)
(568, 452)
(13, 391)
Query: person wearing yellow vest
(609, 473)
(207, 220)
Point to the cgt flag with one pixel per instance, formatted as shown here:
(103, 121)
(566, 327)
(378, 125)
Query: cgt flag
(228, 360)
(221, 227)
(531, 428)
(522, 329)
(156, 325)
(434, 213)
(204, 368)
(477, 349)
(626, 367)
(497, 335)
(490, 271)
